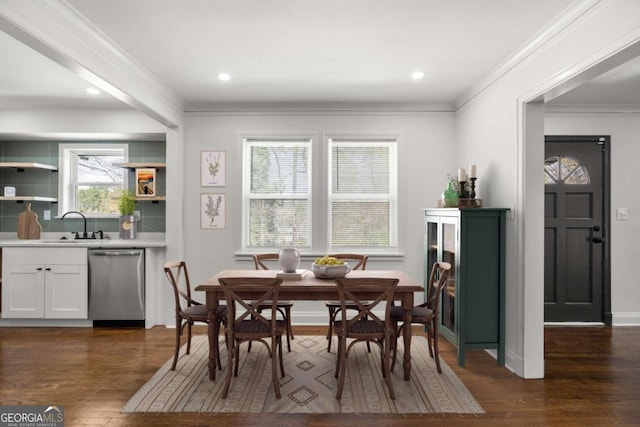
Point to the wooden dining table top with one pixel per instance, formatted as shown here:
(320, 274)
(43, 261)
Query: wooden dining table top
(309, 287)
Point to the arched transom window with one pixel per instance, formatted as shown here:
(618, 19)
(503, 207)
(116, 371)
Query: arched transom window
(565, 169)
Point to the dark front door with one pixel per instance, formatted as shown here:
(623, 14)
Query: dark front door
(575, 229)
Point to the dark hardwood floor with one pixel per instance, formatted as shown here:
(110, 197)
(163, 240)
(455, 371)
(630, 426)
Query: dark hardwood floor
(592, 377)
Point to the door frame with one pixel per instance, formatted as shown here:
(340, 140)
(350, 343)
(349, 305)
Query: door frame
(605, 142)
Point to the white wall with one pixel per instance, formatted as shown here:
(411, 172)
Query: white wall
(492, 132)
(426, 144)
(67, 123)
(624, 130)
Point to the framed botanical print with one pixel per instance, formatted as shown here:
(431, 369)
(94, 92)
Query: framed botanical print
(212, 211)
(145, 182)
(212, 168)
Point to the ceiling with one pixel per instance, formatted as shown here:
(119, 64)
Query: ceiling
(292, 52)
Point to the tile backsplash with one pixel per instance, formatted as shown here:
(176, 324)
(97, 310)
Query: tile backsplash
(43, 182)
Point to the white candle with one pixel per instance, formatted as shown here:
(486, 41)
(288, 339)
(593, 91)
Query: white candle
(472, 171)
(462, 176)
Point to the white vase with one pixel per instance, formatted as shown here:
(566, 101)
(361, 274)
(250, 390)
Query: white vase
(289, 259)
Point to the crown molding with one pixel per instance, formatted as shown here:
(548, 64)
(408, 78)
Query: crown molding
(554, 28)
(317, 108)
(591, 109)
(56, 30)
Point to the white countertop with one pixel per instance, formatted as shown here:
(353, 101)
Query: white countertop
(144, 240)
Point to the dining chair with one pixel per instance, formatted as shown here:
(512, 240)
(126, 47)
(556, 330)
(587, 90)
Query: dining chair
(366, 325)
(284, 307)
(189, 311)
(245, 323)
(356, 262)
(426, 313)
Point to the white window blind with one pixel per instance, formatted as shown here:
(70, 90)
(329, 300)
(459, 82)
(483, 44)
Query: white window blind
(277, 193)
(362, 193)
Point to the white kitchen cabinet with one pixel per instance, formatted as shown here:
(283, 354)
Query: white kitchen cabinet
(45, 283)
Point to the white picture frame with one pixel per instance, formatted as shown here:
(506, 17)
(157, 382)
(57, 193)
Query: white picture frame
(213, 168)
(213, 211)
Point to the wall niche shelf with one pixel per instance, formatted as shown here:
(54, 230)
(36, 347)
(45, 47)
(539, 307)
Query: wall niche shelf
(21, 166)
(141, 165)
(20, 199)
(155, 199)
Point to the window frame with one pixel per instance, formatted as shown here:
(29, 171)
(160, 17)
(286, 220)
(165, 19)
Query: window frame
(319, 190)
(68, 154)
(390, 142)
(267, 141)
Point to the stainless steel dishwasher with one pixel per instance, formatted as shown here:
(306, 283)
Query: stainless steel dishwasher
(116, 287)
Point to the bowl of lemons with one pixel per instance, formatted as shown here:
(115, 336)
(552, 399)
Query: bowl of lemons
(327, 267)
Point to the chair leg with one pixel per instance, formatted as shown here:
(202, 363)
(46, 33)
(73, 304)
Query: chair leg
(280, 356)
(237, 357)
(217, 332)
(430, 340)
(397, 331)
(274, 365)
(385, 366)
(189, 323)
(289, 328)
(342, 363)
(175, 355)
(435, 345)
(332, 317)
(227, 380)
(338, 356)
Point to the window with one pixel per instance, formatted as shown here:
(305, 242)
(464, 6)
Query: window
(362, 193)
(564, 169)
(277, 193)
(357, 191)
(89, 183)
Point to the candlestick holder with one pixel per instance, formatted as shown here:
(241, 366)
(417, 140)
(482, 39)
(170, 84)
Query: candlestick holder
(472, 194)
(462, 192)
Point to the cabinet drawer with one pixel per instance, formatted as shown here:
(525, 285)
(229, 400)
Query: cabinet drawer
(69, 256)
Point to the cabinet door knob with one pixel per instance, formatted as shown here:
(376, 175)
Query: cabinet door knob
(48, 269)
(39, 269)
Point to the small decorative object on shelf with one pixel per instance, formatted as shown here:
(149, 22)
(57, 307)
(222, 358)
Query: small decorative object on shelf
(461, 191)
(145, 182)
(450, 196)
(289, 259)
(472, 179)
(462, 181)
(127, 219)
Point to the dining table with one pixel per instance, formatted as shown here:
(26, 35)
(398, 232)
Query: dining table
(310, 288)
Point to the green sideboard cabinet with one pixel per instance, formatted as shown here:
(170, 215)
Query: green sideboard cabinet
(472, 310)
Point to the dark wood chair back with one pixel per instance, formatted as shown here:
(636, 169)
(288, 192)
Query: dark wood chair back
(246, 322)
(187, 310)
(259, 260)
(365, 324)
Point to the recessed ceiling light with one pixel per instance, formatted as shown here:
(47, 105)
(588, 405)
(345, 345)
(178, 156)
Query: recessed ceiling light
(224, 76)
(417, 75)
(93, 91)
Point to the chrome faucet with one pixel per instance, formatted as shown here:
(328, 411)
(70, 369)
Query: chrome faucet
(84, 234)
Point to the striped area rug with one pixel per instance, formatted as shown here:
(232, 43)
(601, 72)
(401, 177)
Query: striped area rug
(309, 385)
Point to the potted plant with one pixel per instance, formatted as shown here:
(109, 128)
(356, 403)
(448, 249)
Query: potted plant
(127, 220)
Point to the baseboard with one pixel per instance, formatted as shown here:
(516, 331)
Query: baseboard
(573, 324)
(626, 319)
